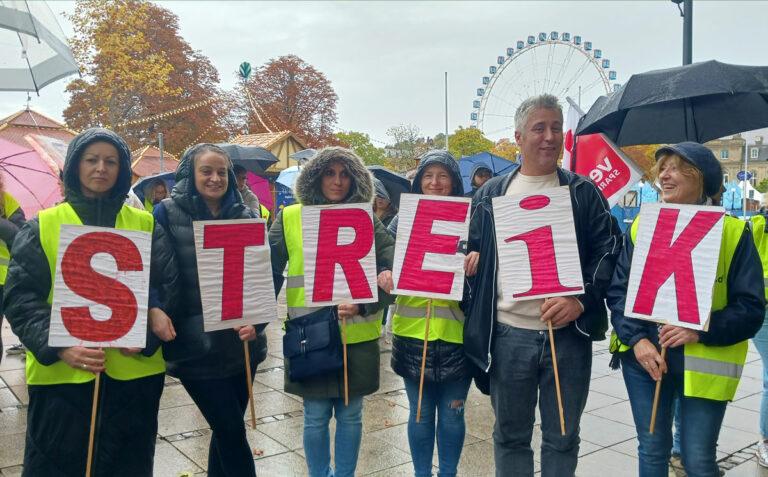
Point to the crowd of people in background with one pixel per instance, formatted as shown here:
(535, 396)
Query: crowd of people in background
(500, 344)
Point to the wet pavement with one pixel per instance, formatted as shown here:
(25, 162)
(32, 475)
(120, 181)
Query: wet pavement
(608, 446)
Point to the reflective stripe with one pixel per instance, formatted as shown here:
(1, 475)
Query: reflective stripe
(299, 311)
(765, 282)
(419, 312)
(4, 261)
(295, 281)
(709, 366)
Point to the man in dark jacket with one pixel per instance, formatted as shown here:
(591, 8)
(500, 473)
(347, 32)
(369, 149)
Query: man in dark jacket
(508, 338)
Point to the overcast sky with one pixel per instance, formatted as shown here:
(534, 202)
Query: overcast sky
(386, 60)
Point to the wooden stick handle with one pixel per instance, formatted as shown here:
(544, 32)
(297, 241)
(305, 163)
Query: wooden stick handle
(249, 380)
(656, 395)
(92, 434)
(557, 377)
(423, 359)
(346, 374)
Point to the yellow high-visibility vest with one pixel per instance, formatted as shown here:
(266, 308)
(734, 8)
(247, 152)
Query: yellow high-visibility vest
(758, 234)
(117, 366)
(10, 206)
(711, 372)
(446, 321)
(359, 328)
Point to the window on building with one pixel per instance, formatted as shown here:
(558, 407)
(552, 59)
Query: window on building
(725, 178)
(724, 154)
(753, 180)
(753, 153)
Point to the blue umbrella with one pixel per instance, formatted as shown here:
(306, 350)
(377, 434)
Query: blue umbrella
(287, 177)
(168, 177)
(283, 196)
(497, 165)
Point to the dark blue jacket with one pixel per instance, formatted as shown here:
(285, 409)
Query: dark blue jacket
(597, 234)
(738, 321)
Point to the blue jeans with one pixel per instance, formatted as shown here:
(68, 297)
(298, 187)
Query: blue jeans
(761, 343)
(521, 373)
(317, 439)
(444, 401)
(700, 421)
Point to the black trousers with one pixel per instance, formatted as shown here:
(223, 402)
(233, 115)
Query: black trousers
(58, 423)
(223, 403)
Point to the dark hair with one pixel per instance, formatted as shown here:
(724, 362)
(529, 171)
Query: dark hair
(198, 149)
(239, 169)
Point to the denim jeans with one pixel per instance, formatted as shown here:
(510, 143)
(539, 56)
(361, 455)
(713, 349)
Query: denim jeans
(317, 439)
(443, 402)
(761, 343)
(700, 421)
(678, 425)
(521, 373)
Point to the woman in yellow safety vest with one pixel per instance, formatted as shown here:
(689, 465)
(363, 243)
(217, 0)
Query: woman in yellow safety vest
(154, 193)
(447, 375)
(333, 176)
(60, 381)
(702, 367)
(11, 218)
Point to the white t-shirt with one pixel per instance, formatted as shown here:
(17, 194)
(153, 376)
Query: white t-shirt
(524, 314)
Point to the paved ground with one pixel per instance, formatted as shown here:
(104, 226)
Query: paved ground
(608, 446)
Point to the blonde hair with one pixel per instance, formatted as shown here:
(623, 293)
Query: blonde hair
(686, 169)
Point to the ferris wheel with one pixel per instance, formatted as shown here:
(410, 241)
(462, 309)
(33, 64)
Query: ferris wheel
(559, 64)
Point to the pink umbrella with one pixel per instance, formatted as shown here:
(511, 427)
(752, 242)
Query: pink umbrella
(260, 187)
(28, 178)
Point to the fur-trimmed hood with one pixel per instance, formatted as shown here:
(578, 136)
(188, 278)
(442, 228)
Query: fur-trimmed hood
(307, 187)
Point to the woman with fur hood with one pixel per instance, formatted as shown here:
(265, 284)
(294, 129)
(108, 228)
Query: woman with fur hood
(333, 176)
(447, 374)
(210, 366)
(60, 381)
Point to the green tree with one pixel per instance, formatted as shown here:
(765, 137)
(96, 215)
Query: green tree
(465, 142)
(361, 144)
(762, 187)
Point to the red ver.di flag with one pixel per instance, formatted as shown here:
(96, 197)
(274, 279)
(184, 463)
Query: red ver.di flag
(428, 262)
(101, 288)
(536, 242)
(612, 171)
(235, 273)
(339, 254)
(674, 264)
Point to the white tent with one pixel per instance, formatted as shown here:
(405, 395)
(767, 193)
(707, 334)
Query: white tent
(752, 193)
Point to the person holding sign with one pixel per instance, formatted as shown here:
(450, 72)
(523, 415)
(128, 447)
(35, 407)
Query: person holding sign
(210, 366)
(11, 218)
(97, 177)
(447, 375)
(332, 176)
(509, 338)
(703, 367)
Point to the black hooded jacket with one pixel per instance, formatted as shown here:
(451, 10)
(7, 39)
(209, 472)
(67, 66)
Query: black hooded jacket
(29, 276)
(196, 354)
(598, 239)
(445, 361)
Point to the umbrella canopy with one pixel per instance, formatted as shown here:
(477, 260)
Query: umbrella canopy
(283, 196)
(303, 156)
(497, 165)
(288, 176)
(698, 102)
(393, 182)
(140, 186)
(255, 159)
(35, 51)
(28, 178)
(260, 187)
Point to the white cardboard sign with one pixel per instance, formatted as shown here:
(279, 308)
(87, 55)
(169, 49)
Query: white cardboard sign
(235, 273)
(101, 288)
(536, 243)
(427, 260)
(339, 254)
(674, 264)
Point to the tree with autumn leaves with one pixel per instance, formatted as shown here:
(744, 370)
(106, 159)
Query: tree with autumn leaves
(134, 66)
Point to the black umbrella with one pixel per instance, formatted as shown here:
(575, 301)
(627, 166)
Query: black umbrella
(393, 182)
(698, 102)
(253, 158)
